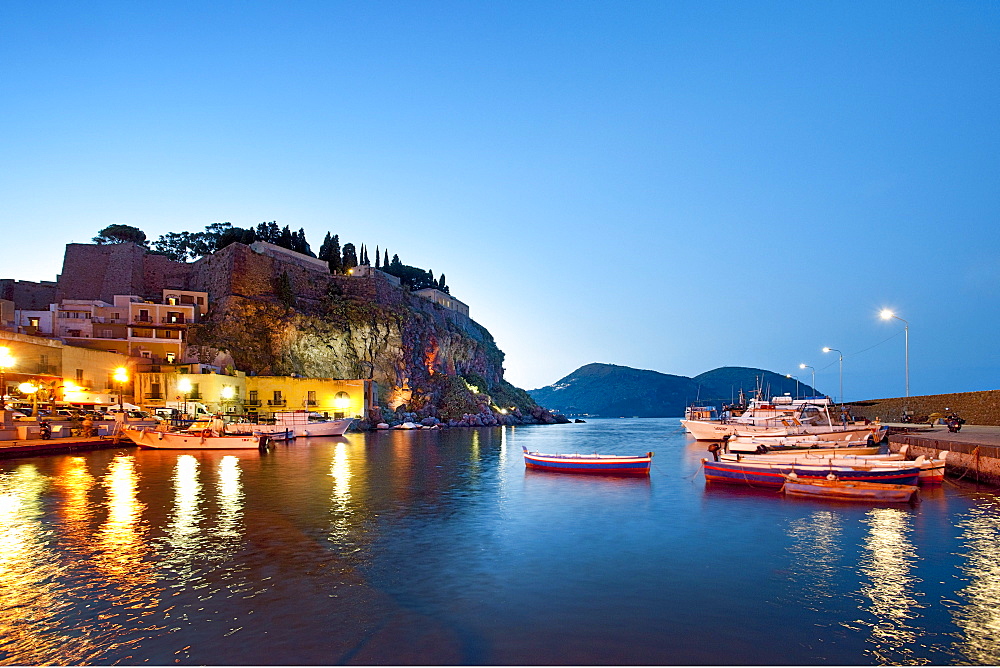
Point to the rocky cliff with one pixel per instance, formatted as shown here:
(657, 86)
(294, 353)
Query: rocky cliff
(279, 318)
(275, 315)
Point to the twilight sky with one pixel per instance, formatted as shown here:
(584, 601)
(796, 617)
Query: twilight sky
(668, 185)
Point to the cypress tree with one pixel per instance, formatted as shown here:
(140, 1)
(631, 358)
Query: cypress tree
(350, 258)
(324, 250)
(385, 263)
(333, 259)
(377, 258)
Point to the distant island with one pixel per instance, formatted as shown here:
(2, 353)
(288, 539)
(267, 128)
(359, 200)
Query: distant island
(609, 390)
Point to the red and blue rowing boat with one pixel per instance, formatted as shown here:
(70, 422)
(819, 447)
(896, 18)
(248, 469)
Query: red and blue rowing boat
(773, 474)
(607, 464)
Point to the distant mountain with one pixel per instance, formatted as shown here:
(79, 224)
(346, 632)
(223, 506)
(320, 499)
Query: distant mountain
(609, 390)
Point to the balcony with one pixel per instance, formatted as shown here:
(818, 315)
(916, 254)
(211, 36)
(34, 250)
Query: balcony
(277, 402)
(175, 320)
(154, 395)
(253, 402)
(144, 318)
(311, 402)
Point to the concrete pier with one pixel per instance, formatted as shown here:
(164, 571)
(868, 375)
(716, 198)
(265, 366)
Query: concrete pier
(36, 446)
(971, 454)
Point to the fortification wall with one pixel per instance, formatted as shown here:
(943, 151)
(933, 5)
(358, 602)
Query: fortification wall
(975, 407)
(28, 295)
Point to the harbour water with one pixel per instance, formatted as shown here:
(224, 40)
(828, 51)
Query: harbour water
(440, 548)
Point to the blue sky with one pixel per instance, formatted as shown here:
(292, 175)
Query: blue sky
(665, 185)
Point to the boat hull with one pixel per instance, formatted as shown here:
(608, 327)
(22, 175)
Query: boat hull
(840, 490)
(160, 440)
(595, 464)
(763, 474)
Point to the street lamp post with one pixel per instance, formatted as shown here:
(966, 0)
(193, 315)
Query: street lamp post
(184, 385)
(32, 389)
(834, 350)
(888, 315)
(6, 361)
(788, 375)
(806, 366)
(121, 377)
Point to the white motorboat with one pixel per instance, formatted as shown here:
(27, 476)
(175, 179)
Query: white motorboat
(206, 439)
(294, 424)
(781, 416)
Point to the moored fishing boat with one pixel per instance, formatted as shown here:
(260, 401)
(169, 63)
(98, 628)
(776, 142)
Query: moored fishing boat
(850, 490)
(773, 473)
(931, 470)
(296, 423)
(806, 442)
(206, 439)
(595, 463)
(780, 416)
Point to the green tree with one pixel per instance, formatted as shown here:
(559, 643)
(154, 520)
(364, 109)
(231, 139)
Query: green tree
(350, 257)
(285, 291)
(120, 234)
(377, 258)
(324, 249)
(334, 260)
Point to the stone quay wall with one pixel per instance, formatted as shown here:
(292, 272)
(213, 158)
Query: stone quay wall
(974, 407)
(974, 461)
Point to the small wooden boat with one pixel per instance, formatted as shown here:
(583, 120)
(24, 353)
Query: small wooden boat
(850, 490)
(764, 473)
(186, 440)
(607, 464)
(931, 470)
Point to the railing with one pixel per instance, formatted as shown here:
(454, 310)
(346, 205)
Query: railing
(143, 318)
(277, 402)
(175, 320)
(253, 402)
(154, 395)
(311, 402)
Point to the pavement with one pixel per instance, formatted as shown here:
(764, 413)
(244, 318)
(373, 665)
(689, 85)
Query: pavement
(973, 434)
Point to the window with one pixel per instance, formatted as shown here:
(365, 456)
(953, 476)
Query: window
(33, 322)
(106, 333)
(170, 358)
(79, 376)
(311, 398)
(75, 332)
(252, 398)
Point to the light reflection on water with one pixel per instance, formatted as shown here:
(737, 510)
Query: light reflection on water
(438, 547)
(979, 616)
(888, 563)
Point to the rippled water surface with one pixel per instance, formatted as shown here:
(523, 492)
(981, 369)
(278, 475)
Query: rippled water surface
(438, 547)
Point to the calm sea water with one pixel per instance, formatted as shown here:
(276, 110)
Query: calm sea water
(439, 548)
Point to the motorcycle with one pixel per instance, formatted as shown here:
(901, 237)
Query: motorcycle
(45, 431)
(954, 423)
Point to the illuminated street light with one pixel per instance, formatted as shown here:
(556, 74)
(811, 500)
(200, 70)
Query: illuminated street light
(184, 385)
(788, 375)
(121, 377)
(834, 350)
(6, 361)
(806, 366)
(887, 314)
(32, 389)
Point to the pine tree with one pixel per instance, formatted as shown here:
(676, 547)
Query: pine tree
(303, 244)
(285, 238)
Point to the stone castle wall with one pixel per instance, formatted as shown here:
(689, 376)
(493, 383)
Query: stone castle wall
(975, 407)
(28, 295)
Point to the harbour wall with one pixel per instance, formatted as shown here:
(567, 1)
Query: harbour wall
(974, 407)
(972, 457)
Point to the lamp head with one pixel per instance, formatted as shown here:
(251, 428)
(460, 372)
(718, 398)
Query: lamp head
(121, 375)
(886, 314)
(803, 365)
(827, 349)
